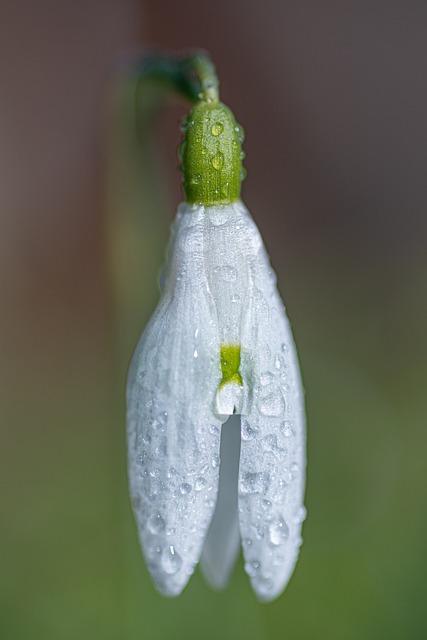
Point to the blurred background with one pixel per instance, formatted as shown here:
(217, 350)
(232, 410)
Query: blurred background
(333, 99)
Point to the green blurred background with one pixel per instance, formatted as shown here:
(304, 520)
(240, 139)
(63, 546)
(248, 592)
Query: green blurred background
(333, 99)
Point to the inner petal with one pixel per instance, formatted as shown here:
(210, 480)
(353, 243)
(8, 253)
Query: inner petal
(222, 542)
(229, 397)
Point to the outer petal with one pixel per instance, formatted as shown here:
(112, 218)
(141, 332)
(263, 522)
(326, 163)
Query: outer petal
(173, 434)
(272, 463)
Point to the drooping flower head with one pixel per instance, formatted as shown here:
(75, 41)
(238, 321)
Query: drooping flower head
(215, 372)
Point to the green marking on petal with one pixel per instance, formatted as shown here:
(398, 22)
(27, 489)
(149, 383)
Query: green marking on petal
(230, 363)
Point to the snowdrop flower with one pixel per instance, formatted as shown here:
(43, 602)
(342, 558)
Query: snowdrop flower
(214, 391)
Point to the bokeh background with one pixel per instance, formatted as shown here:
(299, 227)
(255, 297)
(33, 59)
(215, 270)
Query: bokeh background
(333, 99)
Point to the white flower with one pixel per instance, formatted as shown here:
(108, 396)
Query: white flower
(218, 344)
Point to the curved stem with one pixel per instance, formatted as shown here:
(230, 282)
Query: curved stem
(201, 64)
(192, 75)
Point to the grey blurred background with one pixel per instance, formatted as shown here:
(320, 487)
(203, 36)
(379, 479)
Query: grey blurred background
(333, 99)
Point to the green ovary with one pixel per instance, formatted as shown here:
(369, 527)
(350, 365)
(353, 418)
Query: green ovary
(211, 155)
(230, 363)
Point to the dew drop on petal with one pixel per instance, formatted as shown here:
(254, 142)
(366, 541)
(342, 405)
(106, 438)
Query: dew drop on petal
(156, 524)
(248, 431)
(252, 568)
(266, 378)
(199, 484)
(269, 443)
(294, 468)
(266, 504)
(300, 515)
(215, 460)
(255, 482)
(278, 532)
(185, 488)
(272, 405)
(171, 560)
(287, 429)
(278, 362)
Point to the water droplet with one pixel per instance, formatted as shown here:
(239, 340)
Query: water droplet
(243, 173)
(298, 542)
(156, 524)
(284, 348)
(218, 161)
(199, 484)
(278, 532)
(163, 417)
(247, 430)
(266, 377)
(185, 488)
(247, 542)
(269, 443)
(287, 429)
(229, 273)
(300, 515)
(281, 490)
(272, 405)
(181, 150)
(242, 155)
(255, 482)
(278, 362)
(294, 469)
(240, 134)
(264, 585)
(171, 560)
(215, 460)
(161, 450)
(252, 568)
(141, 376)
(266, 504)
(217, 129)
(195, 354)
(235, 298)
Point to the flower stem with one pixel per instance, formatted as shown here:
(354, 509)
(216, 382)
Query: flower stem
(191, 75)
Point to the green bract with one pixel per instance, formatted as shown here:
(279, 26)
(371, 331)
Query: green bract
(211, 155)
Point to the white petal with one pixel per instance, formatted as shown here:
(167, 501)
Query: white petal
(173, 433)
(223, 540)
(272, 463)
